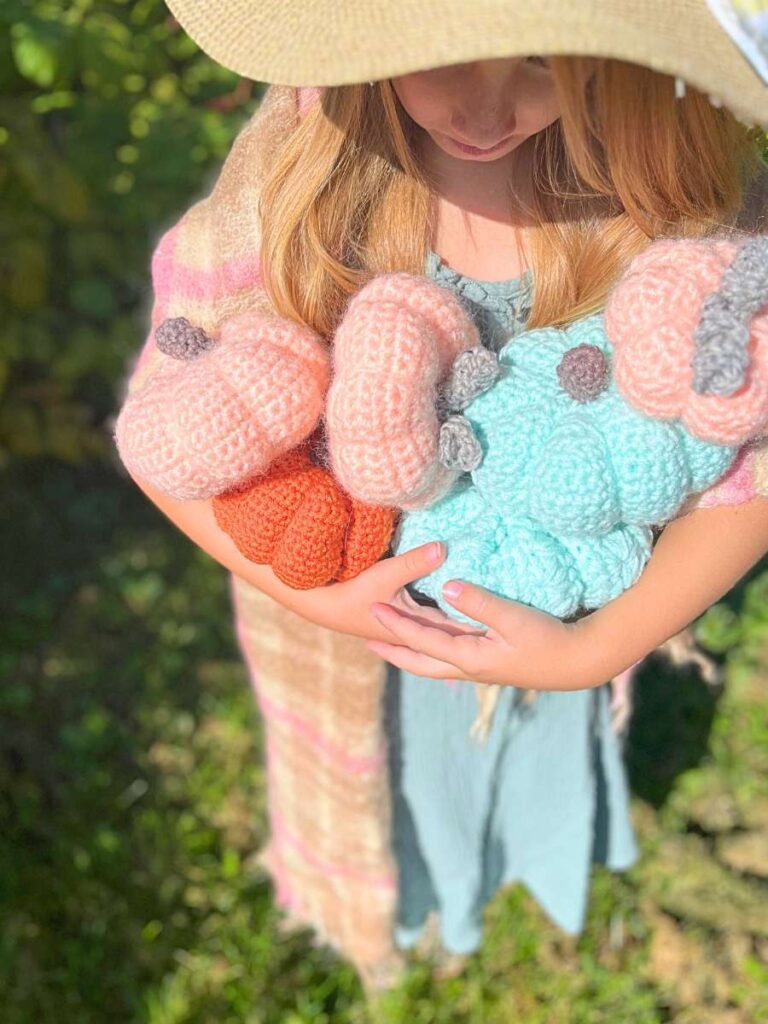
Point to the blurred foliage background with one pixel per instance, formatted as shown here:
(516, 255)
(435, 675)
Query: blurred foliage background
(109, 120)
(132, 790)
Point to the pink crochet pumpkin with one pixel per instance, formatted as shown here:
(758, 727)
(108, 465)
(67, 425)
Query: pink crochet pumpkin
(652, 318)
(221, 412)
(397, 341)
(688, 318)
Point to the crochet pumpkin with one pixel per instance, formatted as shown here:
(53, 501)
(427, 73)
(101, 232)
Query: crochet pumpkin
(229, 420)
(689, 325)
(559, 472)
(393, 348)
(217, 413)
(297, 519)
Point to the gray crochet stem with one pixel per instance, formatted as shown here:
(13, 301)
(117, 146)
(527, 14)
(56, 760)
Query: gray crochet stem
(178, 338)
(458, 446)
(473, 371)
(584, 372)
(721, 339)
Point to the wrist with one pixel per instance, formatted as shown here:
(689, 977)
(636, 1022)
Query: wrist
(601, 653)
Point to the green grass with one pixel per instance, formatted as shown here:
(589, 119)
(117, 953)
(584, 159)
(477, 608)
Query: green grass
(132, 800)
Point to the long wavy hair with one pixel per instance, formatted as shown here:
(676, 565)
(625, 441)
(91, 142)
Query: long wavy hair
(347, 196)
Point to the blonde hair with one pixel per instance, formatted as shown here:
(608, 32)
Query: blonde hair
(347, 196)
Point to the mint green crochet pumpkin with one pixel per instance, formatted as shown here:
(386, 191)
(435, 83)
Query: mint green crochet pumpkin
(558, 513)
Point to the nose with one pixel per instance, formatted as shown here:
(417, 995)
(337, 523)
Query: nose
(487, 113)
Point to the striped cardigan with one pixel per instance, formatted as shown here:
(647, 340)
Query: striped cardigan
(319, 692)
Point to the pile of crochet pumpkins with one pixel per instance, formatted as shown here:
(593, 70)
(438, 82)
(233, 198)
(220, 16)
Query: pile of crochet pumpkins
(543, 468)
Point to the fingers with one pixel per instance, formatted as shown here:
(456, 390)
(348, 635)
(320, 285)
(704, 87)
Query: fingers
(412, 661)
(437, 620)
(411, 565)
(462, 652)
(403, 602)
(483, 606)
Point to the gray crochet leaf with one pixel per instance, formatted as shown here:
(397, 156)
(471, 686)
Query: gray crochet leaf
(721, 339)
(459, 447)
(473, 371)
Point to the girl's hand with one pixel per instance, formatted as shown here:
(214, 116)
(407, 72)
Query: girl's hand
(346, 607)
(521, 647)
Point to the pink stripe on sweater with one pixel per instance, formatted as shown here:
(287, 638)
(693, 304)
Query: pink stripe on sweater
(284, 835)
(353, 764)
(736, 486)
(171, 276)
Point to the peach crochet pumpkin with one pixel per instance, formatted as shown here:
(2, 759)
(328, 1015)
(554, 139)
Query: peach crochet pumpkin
(397, 341)
(651, 317)
(221, 412)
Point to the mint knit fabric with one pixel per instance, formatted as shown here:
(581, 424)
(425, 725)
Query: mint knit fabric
(542, 799)
(559, 511)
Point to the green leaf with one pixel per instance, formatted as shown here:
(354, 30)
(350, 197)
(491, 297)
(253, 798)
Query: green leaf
(718, 629)
(35, 49)
(94, 297)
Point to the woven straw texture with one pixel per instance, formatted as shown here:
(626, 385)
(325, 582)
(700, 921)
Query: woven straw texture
(325, 42)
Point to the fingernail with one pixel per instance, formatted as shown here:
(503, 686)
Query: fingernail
(452, 589)
(435, 552)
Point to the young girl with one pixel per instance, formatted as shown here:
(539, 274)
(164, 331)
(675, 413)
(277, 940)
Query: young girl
(525, 182)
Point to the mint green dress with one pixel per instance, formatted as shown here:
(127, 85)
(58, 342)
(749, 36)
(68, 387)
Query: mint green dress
(543, 799)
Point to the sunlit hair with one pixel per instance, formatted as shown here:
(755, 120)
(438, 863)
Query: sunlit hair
(348, 197)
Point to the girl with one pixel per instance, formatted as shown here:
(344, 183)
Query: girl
(526, 182)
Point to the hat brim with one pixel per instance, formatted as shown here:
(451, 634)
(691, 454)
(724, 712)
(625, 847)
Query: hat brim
(328, 42)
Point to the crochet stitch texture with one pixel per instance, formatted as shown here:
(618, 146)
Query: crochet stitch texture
(559, 512)
(595, 433)
(201, 425)
(397, 341)
(297, 519)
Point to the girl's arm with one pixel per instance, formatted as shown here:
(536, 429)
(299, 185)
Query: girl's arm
(344, 607)
(696, 560)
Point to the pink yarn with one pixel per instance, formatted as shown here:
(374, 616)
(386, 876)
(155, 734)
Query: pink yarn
(396, 342)
(197, 428)
(650, 318)
(735, 487)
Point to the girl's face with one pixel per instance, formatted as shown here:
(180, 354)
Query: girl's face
(483, 110)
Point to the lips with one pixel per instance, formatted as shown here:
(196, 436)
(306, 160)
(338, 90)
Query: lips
(477, 149)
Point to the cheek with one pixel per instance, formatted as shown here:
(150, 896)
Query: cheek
(415, 96)
(426, 96)
(538, 110)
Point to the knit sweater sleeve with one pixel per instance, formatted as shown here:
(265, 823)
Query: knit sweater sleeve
(746, 478)
(206, 265)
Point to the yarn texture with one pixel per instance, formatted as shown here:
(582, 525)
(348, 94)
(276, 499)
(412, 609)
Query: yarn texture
(396, 343)
(546, 482)
(558, 513)
(298, 520)
(670, 339)
(211, 416)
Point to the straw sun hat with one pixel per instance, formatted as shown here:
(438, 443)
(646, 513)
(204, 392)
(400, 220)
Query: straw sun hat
(718, 46)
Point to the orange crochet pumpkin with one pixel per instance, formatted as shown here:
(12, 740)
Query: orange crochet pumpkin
(296, 518)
